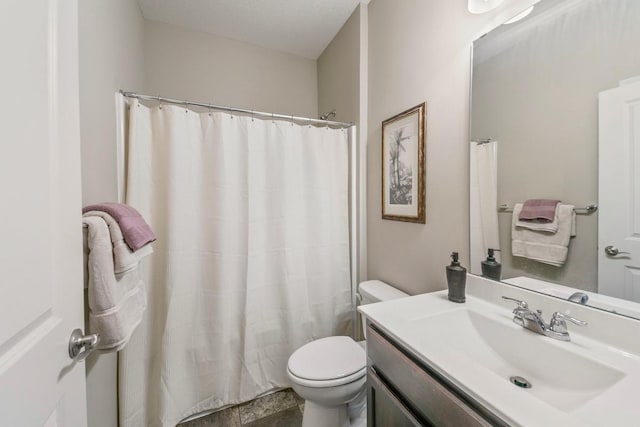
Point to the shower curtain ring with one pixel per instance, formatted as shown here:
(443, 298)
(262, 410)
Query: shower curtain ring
(251, 115)
(292, 120)
(186, 110)
(160, 100)
(231, 111)
(272, 119)
(210, 109)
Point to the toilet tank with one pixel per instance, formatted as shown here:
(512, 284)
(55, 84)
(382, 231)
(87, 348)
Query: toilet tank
(372, 291)
(376, 291)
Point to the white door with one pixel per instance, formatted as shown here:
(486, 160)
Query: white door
(619, 192)
(41, 292)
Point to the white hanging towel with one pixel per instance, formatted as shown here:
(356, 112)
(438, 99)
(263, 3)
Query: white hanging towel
(116, 293)
(544, 246)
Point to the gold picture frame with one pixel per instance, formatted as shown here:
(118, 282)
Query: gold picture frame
(403, 166)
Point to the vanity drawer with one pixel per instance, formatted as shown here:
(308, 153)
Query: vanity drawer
(385, 407)
(424, 395)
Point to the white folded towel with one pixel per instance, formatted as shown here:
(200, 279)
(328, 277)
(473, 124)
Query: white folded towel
(116, 294)
(551, 227)
(541, 245)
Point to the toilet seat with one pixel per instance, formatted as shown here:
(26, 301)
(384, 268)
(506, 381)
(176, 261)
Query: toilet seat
(328, 362)
(328, 383)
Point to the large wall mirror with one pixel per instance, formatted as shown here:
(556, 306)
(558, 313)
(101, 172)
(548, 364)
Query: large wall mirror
(555, 116)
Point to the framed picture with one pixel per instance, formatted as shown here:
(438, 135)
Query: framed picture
(403, 166)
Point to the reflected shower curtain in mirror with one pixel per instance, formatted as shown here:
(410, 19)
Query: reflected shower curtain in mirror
(483, 171)
(251, 261)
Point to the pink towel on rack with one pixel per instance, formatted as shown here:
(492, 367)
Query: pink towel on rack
(135, 230)
(539, 209)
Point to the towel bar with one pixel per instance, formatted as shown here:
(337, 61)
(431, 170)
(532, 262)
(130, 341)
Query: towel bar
(588, 210)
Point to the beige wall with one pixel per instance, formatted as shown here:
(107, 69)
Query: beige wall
(199, 66)
(340, 69)
(420, 51)
(339, 73)
(111, 58)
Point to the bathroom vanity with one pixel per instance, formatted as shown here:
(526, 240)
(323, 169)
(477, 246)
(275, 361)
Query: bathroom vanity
(402, 391)
(435, 362)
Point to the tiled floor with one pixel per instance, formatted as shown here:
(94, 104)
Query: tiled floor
(280, 409)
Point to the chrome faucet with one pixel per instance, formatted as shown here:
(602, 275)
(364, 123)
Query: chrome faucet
(580, 297)
(556, 328)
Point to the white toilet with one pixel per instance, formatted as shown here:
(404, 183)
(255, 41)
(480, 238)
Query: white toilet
(330, 373)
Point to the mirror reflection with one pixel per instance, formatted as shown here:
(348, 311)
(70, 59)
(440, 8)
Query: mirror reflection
(555, 127)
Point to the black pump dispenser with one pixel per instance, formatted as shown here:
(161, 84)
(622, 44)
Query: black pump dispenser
(456, 279)
(491, 268)
(454, 258)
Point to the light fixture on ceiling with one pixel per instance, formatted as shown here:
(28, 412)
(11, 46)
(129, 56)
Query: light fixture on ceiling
(520, 16)
(482, 6)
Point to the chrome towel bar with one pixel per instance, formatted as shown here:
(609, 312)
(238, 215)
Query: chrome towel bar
(587, 210)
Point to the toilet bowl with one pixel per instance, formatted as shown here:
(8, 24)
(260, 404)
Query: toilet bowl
(330, 373)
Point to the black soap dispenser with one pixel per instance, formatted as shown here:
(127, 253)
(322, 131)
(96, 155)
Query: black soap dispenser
(456, 279)
(490, 267)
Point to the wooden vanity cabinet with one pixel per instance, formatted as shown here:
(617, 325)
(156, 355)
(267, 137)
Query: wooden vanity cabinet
(401, 391)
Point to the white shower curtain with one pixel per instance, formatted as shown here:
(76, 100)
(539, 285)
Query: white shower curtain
(483, 172)
(251, 261)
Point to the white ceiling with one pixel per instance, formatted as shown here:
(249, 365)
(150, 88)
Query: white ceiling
(301, 27)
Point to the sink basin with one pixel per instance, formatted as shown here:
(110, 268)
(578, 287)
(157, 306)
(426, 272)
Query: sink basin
(559, 377)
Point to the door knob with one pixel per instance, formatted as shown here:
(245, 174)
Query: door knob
(78, 341)
(613, 251)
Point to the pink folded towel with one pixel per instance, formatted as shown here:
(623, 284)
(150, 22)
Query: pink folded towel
(135, 230)
(539, 209)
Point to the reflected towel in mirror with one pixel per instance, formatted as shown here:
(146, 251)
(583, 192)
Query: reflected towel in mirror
(549, 227)
(540, 245)
(541, 210)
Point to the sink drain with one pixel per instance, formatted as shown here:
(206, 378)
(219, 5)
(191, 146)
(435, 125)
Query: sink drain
(520, 382)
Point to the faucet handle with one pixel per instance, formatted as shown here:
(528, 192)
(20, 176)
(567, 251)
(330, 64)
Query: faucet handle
(558, 323)
(521, 304)
(580, 297)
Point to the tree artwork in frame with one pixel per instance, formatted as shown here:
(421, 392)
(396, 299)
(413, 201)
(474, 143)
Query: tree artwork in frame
(403, 166)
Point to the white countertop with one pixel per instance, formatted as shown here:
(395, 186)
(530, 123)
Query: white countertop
(407, 320)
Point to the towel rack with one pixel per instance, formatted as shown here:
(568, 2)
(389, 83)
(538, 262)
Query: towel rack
(483, 141)
(587, 210)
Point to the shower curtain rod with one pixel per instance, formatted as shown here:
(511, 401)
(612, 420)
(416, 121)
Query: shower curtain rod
(235, 110)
